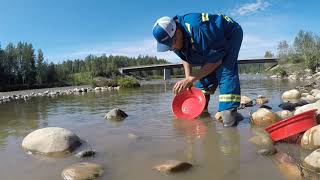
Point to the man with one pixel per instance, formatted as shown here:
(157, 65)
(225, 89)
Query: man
(212, 41)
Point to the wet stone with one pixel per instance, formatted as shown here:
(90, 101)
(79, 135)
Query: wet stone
(52, 141)
(246, 101)
(116, 114)
(267, 151)
(261, 140)
(173, 166)
(261, 100)
(291, 95)
(312, 161)
(284, 114)
(82, 171)
(264, 117)
(288, 106)
(85, 153)
(132, 136)
(311, 138)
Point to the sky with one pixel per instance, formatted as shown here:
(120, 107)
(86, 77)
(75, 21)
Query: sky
(70, 29)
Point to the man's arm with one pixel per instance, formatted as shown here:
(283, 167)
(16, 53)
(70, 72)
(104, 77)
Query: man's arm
(187, 68)
(188, 81)
(205, 70)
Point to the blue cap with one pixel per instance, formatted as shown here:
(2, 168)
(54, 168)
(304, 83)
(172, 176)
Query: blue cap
(163, 31)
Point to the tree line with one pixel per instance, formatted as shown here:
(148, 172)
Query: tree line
(305, 49)
(23, 68)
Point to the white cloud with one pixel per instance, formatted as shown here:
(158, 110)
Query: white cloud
(250, 8)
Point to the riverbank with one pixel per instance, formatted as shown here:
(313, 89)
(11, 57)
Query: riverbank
(294, 72)
(26, 95)
(31, 91)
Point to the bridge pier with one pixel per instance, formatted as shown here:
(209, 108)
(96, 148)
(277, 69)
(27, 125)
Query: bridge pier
(166, 74)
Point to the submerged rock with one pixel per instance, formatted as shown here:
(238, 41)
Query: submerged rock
(287, 165)
(116, 114)
(267, 151)
(173, 166)
(132, 136)
(261, 140)
(51, 141)
(85, 153)
(82, 171)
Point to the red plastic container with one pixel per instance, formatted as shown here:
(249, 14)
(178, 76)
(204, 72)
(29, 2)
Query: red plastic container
(293, 125)
(188, 104)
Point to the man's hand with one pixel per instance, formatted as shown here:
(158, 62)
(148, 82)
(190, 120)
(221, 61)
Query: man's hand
(183, 84)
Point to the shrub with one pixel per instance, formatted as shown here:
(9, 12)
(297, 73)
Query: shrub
(127, 82)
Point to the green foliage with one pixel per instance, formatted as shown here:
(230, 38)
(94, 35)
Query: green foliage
(81, 78)
(268, 54)
(280, 71)
(127, 82)
(305, 49)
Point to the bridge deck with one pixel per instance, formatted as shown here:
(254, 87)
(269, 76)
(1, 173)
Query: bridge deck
(179, 65)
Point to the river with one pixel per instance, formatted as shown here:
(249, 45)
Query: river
(215, 152)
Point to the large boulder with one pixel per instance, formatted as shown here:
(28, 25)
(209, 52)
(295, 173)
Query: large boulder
(311, 138)
(264, 117)
(312, 161)
(308, 107)
(51, 141)
(82, 171)
(292, 95)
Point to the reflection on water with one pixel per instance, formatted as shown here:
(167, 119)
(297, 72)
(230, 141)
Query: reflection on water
(216, 152)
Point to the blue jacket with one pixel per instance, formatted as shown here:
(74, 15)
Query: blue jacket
(205, 37)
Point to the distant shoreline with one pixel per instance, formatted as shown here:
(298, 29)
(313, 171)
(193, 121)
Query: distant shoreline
(29, 91)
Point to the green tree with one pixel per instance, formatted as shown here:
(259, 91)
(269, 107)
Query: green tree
(283, 50)
(268, 54)
(40, 67)
(3, 75)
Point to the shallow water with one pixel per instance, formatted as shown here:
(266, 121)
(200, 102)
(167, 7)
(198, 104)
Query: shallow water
(216, 152)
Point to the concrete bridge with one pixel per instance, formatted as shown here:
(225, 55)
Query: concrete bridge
(166, 67)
